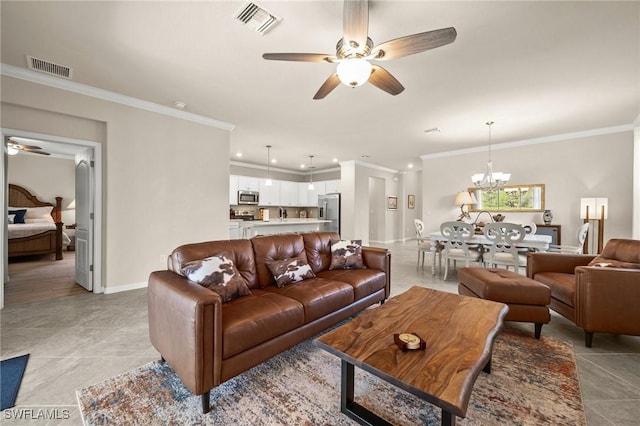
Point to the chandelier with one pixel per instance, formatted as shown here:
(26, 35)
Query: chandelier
(490, 180)
(311, 187)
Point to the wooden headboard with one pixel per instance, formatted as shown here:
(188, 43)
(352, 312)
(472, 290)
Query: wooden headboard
(21, 197)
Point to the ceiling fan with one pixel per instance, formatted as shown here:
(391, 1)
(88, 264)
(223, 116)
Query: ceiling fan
(14, 145)
(355, 50)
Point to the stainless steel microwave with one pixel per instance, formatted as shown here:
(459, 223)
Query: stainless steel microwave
(248, 197)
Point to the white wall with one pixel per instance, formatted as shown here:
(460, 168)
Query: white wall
(586, 167)
(354, 186)
(166, 180)
(46, 178)
(410, 184)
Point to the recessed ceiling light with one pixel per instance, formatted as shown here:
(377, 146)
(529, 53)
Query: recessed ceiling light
(302, 166)
(410, 166)
(238, 154)
(335, 160)
(364, 156)
(432, 130)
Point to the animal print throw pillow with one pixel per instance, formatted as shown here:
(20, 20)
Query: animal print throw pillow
(289, 271)
(346, 254)
(218, 274)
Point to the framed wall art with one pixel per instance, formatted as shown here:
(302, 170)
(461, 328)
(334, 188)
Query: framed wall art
(411, 202)
(392, 203)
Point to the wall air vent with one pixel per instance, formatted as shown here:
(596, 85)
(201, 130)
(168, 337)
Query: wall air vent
(256, 18)
(49, 67)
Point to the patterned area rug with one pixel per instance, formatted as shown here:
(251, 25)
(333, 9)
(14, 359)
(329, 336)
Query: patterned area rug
(531, 383)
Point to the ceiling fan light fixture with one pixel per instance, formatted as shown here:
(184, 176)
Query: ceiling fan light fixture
(354, 72)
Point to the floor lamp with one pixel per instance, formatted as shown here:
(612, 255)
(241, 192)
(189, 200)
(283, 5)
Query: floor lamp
(596, 209)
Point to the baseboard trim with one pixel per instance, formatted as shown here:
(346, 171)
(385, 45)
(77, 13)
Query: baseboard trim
(125, 287)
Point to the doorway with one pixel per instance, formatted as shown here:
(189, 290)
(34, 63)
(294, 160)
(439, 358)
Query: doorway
(89, 152)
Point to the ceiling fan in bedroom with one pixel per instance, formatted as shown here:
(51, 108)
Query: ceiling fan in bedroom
(15, 145)
(355, 51)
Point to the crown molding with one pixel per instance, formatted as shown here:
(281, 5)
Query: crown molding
(94, 92)
(533, 141)
(276, 169)
(369, 165)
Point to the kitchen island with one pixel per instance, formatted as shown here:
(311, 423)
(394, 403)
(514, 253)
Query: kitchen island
(251, 228)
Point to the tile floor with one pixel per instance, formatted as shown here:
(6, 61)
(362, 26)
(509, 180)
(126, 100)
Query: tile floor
(79, 340)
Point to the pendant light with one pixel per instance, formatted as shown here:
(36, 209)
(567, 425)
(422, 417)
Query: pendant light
(490, 180)
(311, 187)
(268, 181)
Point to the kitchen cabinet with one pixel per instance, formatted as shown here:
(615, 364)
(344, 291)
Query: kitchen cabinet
(233, 190)
(303, 194)
(289, 194)
(248, 183)
(282, 193)
(270, 195)
(332, 186)
(235, 231)
(312, 194)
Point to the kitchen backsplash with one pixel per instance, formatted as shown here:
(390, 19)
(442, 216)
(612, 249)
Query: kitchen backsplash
(254, 212)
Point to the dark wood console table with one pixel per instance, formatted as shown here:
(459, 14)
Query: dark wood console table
(554, 230)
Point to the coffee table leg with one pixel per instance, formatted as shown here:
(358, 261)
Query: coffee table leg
(351, 408)
(346, 394)
(487, 367)
(448, 419)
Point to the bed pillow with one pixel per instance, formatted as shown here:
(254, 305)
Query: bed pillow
(289, 271)
(218, 274)
(11, 217)
(39, 213)
(346, 254)
(18, 215)
(39, 220)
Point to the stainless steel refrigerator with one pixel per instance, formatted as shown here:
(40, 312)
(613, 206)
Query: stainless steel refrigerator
(329, 209)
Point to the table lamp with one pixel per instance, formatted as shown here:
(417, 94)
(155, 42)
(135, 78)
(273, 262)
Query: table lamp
(464, 198)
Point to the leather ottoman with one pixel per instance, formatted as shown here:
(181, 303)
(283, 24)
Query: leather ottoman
(528, 300)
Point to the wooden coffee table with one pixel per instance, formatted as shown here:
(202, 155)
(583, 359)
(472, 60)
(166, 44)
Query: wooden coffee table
(459, 333)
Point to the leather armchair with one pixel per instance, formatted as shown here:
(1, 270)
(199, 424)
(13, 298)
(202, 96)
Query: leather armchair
(598, 293)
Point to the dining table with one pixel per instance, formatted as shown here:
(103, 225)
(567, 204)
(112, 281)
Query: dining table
(533, 242)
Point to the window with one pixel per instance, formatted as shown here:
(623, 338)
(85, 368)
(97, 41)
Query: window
(521, 198)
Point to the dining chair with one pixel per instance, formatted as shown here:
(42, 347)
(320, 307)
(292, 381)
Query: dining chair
(456, 244)
(424, 245)
(582, 236)
(530, 227)
(503, 249)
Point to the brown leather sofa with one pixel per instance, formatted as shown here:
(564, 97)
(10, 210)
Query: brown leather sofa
(598, 293)
(207, 342)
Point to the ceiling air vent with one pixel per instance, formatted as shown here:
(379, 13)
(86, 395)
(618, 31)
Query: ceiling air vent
(256, 18)
(49, 67)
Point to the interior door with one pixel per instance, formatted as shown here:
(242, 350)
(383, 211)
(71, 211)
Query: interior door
(84, 219)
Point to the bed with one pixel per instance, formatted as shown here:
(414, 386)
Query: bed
(39, 235)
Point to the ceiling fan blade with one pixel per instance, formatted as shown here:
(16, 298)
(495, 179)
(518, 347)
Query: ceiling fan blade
(356, 22)
(36, 152)
(331, 83)
(412, 44)
(299, 57)
(383, 79)
(19, 146)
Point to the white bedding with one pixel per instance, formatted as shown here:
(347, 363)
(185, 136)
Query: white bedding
(19, 230)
